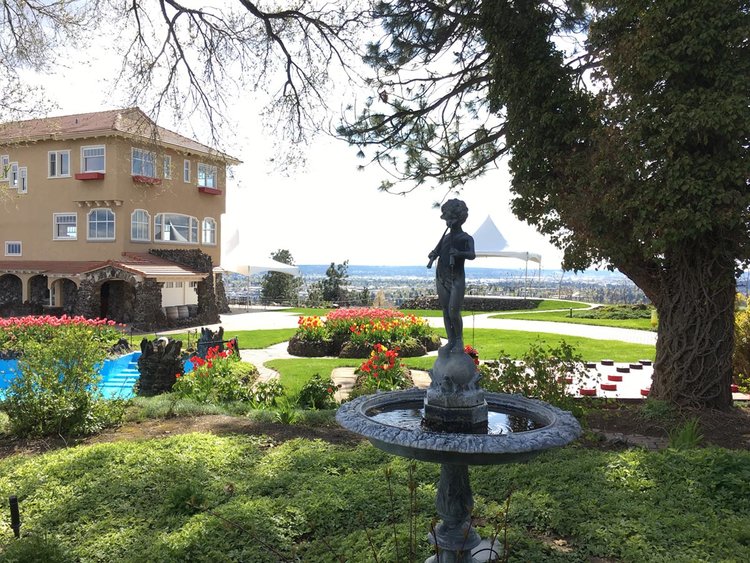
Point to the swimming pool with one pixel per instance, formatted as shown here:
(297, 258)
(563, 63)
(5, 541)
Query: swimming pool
(118, 375)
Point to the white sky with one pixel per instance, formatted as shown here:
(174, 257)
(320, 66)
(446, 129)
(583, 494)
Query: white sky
(327, 211)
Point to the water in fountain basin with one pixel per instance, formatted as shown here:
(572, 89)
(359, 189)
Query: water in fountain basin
(409, 416)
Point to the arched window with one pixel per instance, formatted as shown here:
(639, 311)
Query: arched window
(209, 231)
(101, 224)
(174, 227)
(140, 225)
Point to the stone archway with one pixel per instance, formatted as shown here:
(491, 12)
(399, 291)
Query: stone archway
(11, 291)
(38, 290)
(116, 298)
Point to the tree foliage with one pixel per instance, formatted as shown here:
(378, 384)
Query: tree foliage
(334, 285)
(280, 287)
(625, 124)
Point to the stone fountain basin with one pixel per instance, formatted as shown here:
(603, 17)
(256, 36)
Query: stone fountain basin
(557, 428)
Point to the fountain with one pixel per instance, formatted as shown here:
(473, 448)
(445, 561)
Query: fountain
(454, 422)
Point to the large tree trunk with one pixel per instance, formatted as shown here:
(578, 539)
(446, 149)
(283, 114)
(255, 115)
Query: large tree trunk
(695, 303)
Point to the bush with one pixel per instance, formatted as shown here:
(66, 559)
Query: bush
(639, 311)
(539, 374)
(221, 378)
(741, 358)
(57, 389)
(267, 393)
(318, 393)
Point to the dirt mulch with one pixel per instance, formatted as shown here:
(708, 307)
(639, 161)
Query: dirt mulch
(615, 426)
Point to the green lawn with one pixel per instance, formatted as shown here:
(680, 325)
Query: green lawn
(206, 497)
(564, 317)
(248, 339)
(488, 342)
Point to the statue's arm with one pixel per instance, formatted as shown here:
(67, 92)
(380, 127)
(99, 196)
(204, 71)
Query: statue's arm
(467, 253)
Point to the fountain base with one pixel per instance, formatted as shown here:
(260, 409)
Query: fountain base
(464, 420)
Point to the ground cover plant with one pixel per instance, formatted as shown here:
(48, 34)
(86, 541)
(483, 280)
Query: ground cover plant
(352, 333)
(203, 497)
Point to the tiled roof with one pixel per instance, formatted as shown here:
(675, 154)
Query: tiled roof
(131, 122)
(146, 265)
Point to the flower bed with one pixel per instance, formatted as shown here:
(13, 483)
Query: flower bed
(382, 371)
(352, 333)
(17, 332)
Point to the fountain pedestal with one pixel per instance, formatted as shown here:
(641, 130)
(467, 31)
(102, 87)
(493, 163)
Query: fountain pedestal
(454, 536)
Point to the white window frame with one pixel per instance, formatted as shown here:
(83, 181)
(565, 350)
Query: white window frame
(103, 169)
(23, 180)
(55, 224)
(208, 227)
(13, 175)
(144, 156)
(186, 170)
(8, 248)
(133, 224)
(192, 229)
(4, 167)
(204, 176)
(58, 164)
(88, 224)
(167, 167)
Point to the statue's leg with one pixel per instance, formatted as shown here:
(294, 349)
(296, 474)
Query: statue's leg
(454, 308)
(444, 295)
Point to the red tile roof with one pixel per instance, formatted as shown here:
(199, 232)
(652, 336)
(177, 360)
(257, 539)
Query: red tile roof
(144, 264)
(130, 122)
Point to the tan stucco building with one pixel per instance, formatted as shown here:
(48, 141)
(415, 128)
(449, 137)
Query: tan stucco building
(100, 211)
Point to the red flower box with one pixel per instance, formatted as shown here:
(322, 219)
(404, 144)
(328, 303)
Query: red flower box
(735, 388)
(90, 176)
(147, 180)
(609, 386)
(587, 392)
(614, 377)
(645, 392)
(210, 191)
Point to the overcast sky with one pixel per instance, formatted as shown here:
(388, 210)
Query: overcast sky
(326, 211)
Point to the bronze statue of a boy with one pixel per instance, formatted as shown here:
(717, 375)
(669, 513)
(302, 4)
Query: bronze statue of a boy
(454, 248)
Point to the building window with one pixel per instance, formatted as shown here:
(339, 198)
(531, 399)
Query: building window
(209, 231)
(168, 285)
(186, 171)
(101, 224)
(23, 180)
(59, 164)
(207, 176)
(65, 226)
(193, 284)
(13, 248)
(173, 227)
(168, 167)
(140, 225)
(4, 167)
(143, 163)
(13, 175)
(92, 159)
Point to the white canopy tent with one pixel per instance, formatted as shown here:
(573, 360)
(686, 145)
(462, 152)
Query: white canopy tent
(239, 259)
(489, 242)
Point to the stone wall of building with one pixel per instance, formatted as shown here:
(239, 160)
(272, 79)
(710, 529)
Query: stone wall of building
(221, 294)
(147, 311)
(208, 307)
(10, 289)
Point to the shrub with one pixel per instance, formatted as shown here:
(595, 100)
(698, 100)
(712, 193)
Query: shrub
(318, 393)
(383, 371)
(267, 393)
(221, 378)
(57, 389)
(539, 374)
(639, 311)
(741, 357)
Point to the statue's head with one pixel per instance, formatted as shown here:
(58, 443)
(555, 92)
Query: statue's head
(454, 210)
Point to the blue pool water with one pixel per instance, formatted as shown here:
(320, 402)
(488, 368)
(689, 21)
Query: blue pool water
(118, 375)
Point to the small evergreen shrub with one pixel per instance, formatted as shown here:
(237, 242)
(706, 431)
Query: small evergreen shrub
(540, 373)
(318, 393)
